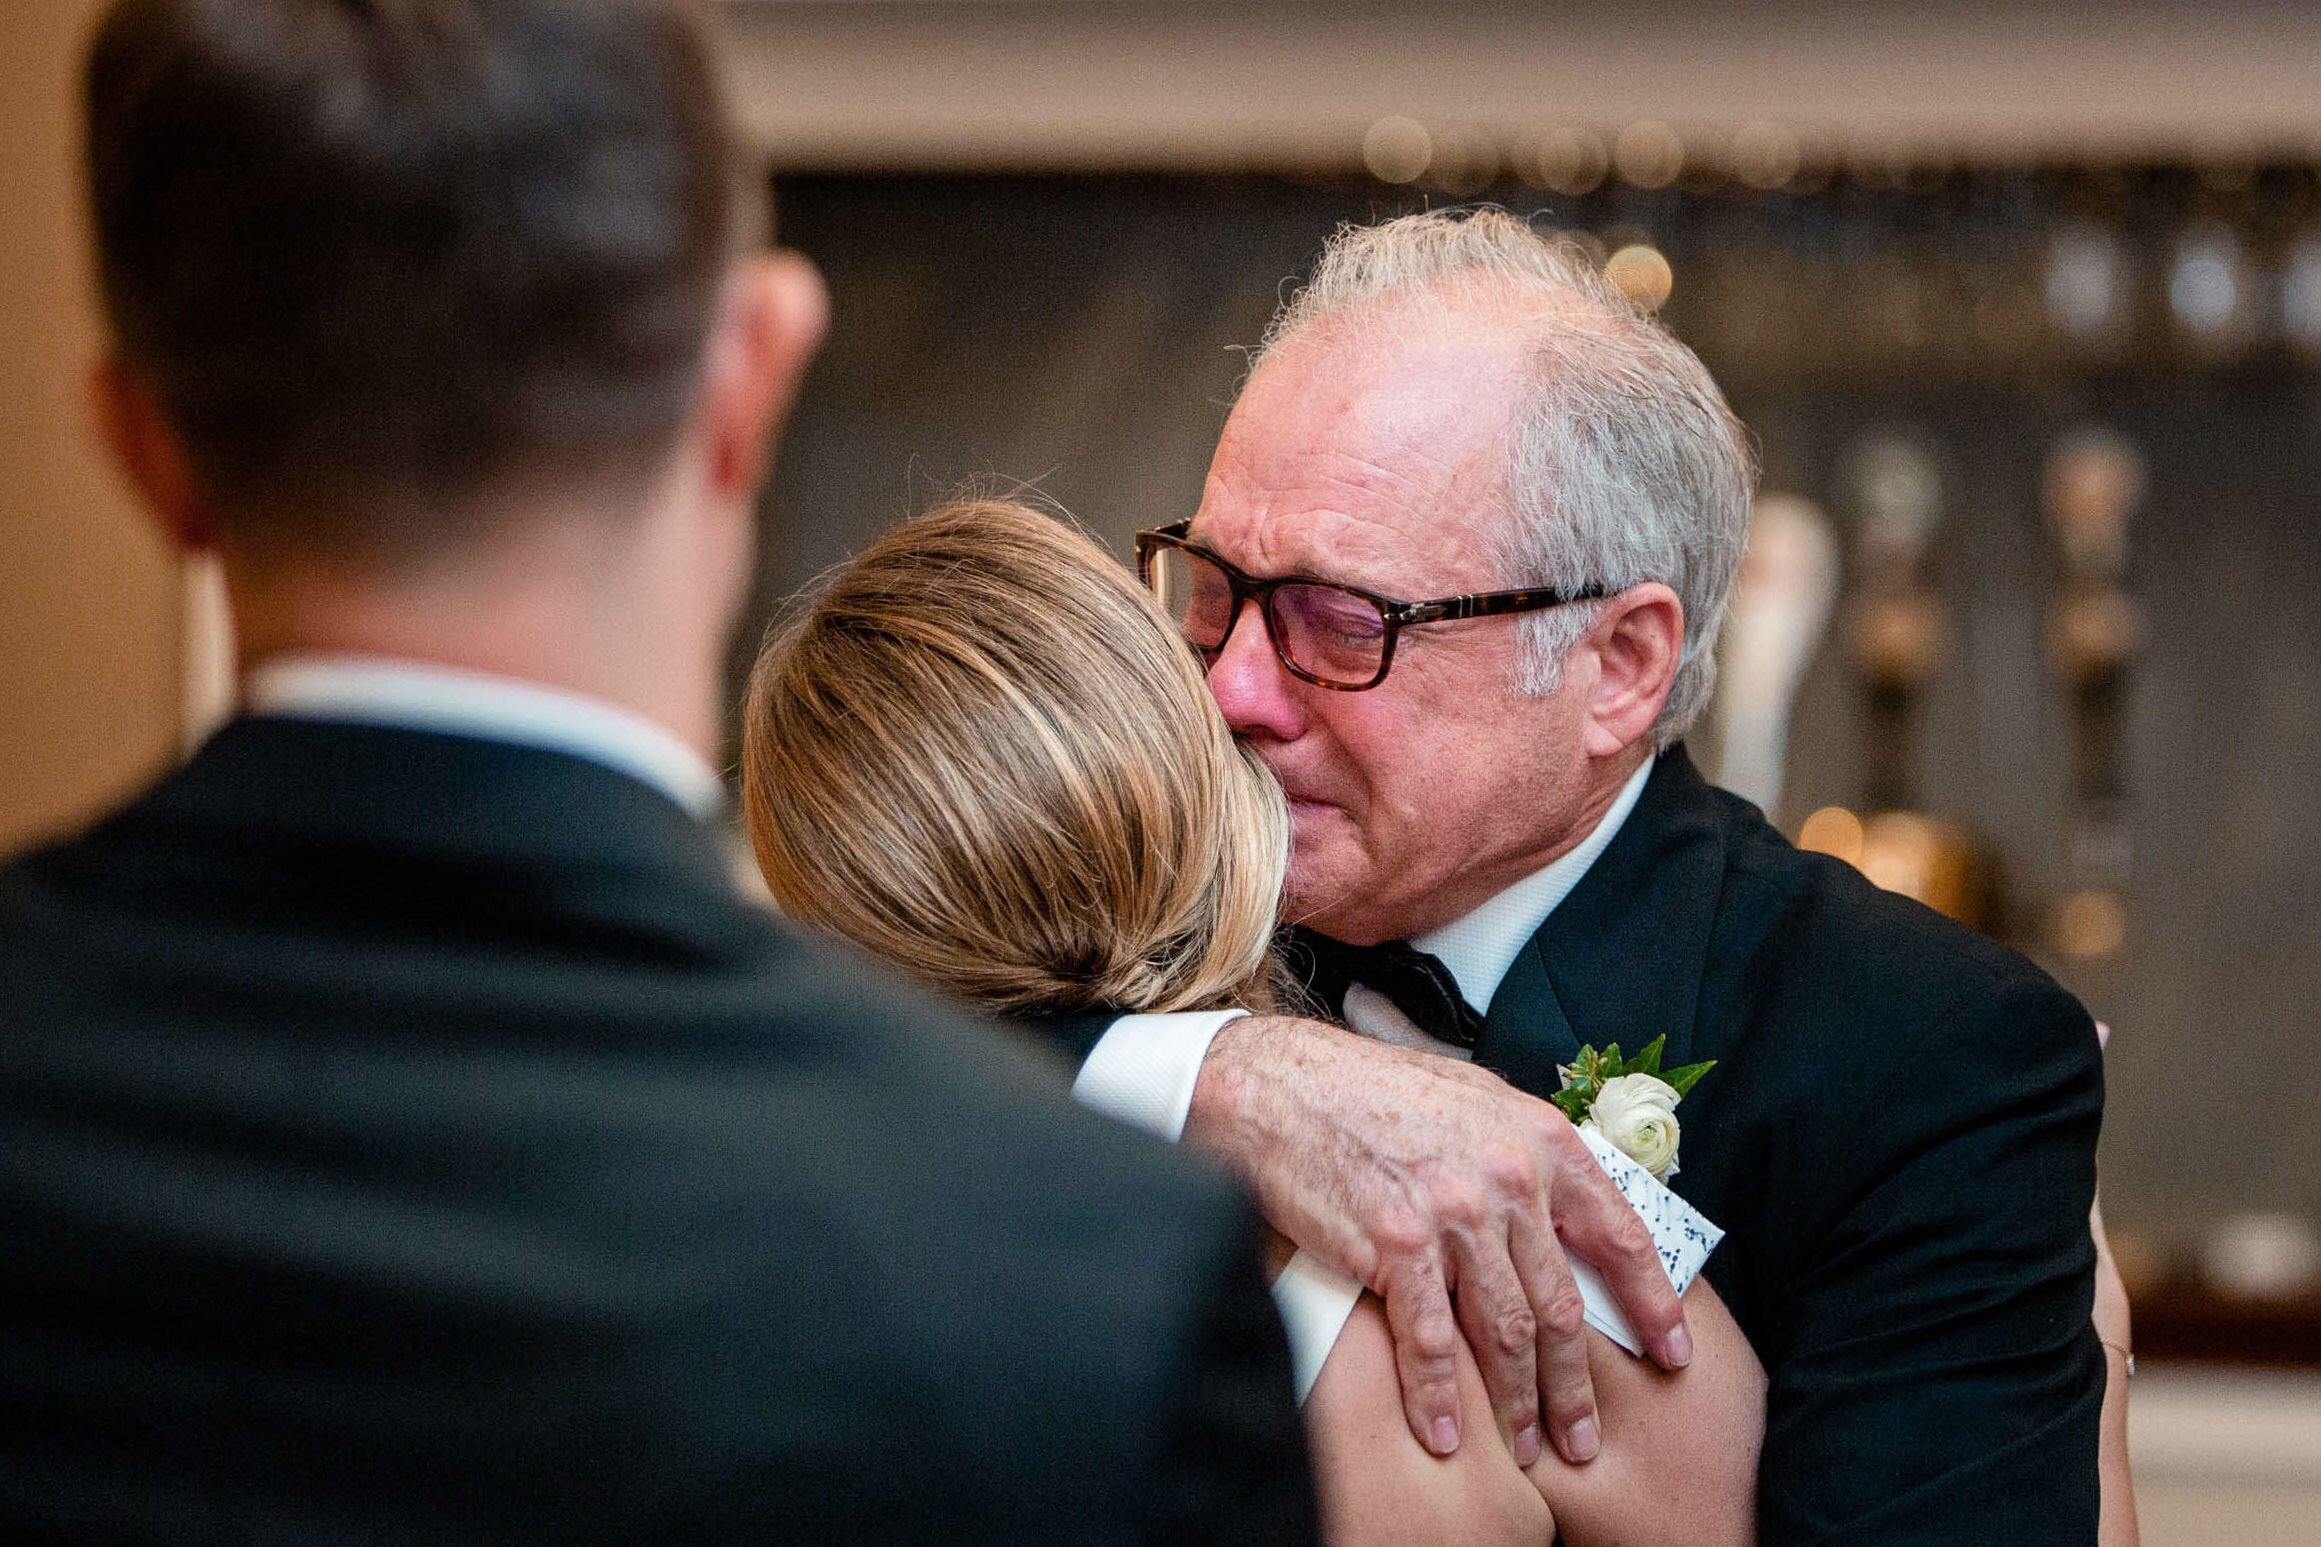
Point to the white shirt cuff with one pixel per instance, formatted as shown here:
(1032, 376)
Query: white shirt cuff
(1143, 1070)
(1314, 1300)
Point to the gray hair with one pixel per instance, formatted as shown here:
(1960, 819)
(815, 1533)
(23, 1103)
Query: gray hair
(1624, 465)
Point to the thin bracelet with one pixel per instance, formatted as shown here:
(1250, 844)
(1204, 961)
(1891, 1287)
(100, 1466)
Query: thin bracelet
(2124, 1353)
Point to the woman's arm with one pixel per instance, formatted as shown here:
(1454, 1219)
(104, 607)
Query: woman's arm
(1379, 1485)
(2116, 1519)
(1679, 1462)
(2116, 1511)
(1679, 1458)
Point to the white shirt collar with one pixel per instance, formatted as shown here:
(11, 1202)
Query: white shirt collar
(1479, 948)
(414, 695)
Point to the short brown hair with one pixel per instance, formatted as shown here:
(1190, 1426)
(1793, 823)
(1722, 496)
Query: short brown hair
(982, 753)
(409, 248)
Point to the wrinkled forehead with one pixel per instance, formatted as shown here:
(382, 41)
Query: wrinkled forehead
(1371, 453)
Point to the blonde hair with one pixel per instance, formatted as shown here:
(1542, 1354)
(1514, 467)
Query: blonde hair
(982, 753)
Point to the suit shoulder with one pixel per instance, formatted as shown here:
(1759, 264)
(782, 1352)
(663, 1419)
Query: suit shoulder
(1827, 906)
(1820, 948)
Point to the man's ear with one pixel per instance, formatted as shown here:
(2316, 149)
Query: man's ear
(1638, 640)
(150, 454)
(776, 313)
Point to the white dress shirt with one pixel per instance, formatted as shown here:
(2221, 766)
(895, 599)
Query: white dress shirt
(418, 695)
(1482, 946)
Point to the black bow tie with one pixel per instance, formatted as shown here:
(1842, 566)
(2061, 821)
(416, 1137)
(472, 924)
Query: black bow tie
(1420, 985)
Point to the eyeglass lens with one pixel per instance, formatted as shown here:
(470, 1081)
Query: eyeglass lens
(1331, 634)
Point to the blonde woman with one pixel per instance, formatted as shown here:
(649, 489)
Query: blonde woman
(982, 753)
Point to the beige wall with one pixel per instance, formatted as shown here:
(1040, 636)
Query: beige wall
(90, 603)
(1230, 84)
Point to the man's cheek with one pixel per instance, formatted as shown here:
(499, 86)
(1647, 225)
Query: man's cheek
(1312, 828)
(1326, 841)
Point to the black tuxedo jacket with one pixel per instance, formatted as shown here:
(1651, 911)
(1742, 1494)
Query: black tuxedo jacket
(414, 1139)
(1899, 1138)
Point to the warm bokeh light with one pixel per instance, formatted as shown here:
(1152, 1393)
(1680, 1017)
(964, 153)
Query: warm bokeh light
(1648, 154)
(1642, 274)
(2091, 923)
(1571, 162)
(1835, 831)
(1464, 163)
(1902, 852)
(1397, 150)
(1920, 857)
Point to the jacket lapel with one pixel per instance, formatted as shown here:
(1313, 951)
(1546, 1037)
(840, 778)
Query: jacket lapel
(1621, 959)
(1527, 1033)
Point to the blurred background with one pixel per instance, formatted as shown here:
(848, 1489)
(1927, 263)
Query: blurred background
(2023, 304)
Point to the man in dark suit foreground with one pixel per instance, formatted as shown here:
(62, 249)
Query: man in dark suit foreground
(411, 1136)
(1899, 1133)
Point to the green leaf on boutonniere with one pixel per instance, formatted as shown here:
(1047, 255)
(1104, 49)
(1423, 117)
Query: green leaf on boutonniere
(1574, 1102)
(1584, 1077)
(1683, 1080)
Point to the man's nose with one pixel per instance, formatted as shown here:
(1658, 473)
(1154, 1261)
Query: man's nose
(1254, 691)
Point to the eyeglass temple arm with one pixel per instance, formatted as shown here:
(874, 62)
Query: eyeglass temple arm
(1486, 604)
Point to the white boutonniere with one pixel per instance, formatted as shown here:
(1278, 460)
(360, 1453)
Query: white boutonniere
(1631, 1102)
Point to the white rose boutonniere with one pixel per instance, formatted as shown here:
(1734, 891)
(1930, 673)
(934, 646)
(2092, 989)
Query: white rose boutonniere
(1637, 1112)
(1631, 1102)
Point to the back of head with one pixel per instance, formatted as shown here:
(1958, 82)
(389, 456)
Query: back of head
(377, 259)
(982, 753)
(1624, 464)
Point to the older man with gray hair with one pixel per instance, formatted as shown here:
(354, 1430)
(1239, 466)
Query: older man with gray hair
(1458, 571)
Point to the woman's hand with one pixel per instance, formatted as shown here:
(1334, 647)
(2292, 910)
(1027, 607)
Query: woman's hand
(2116, 1526)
